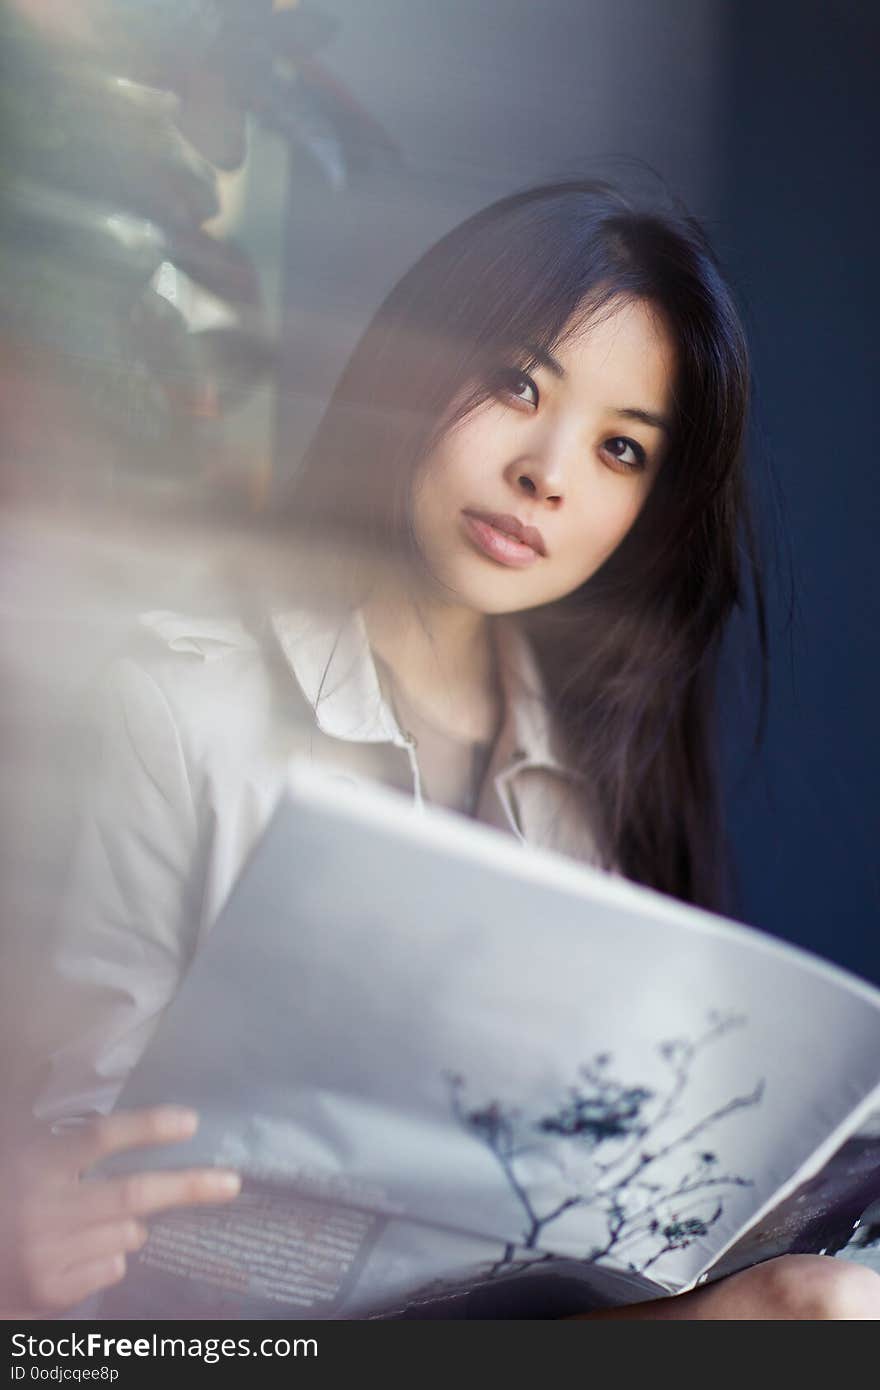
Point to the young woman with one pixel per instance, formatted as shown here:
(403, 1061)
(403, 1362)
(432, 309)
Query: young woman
(530, 514)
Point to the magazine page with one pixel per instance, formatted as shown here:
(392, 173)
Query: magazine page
(466, 1060)
(825, 1211)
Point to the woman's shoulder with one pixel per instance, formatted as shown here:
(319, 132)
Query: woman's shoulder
(186, 655)
(208, 637)
(209, 677)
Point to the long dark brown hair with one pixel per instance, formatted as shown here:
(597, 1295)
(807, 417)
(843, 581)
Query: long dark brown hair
(630, 658)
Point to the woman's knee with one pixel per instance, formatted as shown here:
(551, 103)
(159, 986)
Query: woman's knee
(815, 1287)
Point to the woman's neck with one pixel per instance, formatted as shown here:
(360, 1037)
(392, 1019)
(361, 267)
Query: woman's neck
(440, 655)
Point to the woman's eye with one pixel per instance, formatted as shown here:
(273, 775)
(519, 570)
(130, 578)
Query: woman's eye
(519, 385)
(626, 451)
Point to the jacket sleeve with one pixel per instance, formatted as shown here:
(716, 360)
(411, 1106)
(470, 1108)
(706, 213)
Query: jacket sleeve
(130, 912)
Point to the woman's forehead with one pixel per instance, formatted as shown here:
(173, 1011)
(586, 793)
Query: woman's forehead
(627, 346)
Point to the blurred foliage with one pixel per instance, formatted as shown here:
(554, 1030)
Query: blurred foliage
(116, 116)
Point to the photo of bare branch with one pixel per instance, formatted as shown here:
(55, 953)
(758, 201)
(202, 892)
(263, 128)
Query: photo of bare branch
(612, 1128)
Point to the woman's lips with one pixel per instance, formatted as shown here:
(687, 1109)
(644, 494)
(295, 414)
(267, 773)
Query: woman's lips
(504, 538)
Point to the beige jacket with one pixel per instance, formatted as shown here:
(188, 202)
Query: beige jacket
(197, 738)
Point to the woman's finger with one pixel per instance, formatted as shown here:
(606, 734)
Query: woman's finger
(139, 1194)
(57, 1159)
(129, 1129)
(62, 1288)
(81, 1247)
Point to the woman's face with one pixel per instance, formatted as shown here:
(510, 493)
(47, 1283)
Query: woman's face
(520, 502)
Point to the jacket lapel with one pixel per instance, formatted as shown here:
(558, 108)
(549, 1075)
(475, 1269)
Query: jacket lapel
(527, 791)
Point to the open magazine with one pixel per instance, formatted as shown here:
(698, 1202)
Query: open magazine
(462, 1077)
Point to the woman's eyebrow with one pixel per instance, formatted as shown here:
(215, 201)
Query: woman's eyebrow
(647, 417)
(545, 359)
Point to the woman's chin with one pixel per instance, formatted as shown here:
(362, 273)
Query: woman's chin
(490, 599)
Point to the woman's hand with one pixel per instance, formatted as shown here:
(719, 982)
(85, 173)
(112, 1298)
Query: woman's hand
(791, 1287)
(70, 1237)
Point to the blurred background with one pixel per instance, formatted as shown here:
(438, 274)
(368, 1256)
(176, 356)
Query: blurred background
(202, 203)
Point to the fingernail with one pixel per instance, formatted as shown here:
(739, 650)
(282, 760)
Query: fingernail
(227, 1183)
(179, 1120)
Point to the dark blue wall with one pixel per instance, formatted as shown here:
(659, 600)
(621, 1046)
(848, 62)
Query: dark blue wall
(798, 222)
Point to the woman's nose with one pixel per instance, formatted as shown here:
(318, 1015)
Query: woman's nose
(538, 479)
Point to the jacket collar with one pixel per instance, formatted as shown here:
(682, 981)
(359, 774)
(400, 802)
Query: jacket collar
(331, 659)
(526, 734)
